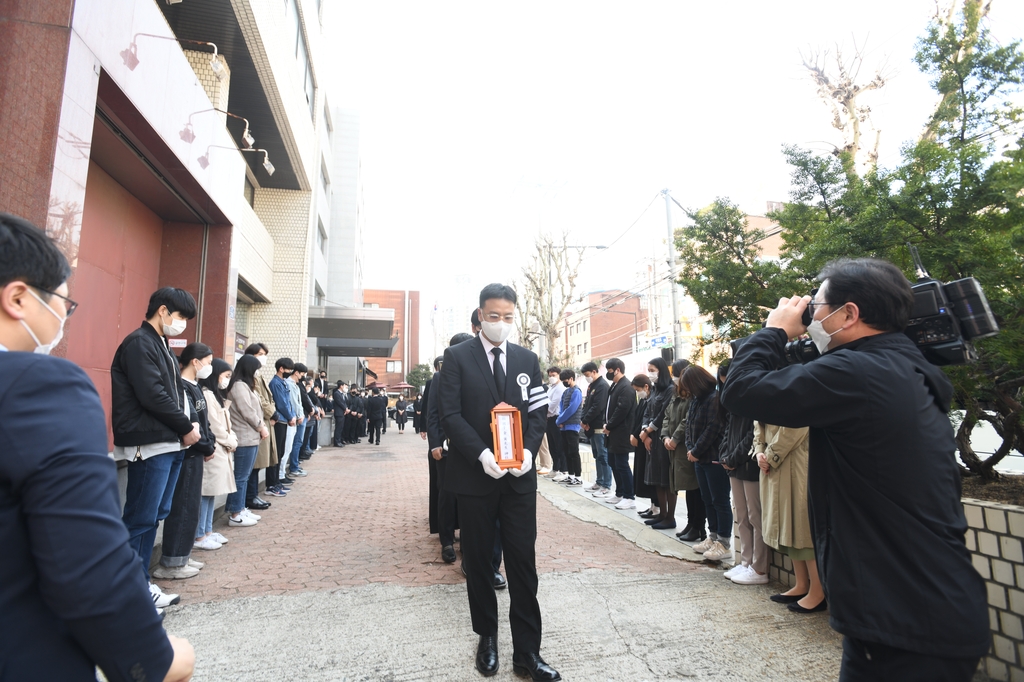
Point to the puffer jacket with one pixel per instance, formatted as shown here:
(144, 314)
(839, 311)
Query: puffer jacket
(737, 448)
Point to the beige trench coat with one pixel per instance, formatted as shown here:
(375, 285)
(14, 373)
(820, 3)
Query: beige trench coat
(266, 455)
(784, 519)
(219, 472)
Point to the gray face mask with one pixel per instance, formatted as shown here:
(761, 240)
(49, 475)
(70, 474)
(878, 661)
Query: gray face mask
(819, 336)
(45, 348)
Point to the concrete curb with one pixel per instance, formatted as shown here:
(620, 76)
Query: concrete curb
(643, 536)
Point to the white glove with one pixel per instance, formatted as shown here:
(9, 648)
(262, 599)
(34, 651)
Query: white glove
(527, 464)
(491, 467)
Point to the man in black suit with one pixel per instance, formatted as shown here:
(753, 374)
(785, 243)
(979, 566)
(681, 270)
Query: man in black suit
(476, 376)
(376, 412)
(618, 423)
(339, 401)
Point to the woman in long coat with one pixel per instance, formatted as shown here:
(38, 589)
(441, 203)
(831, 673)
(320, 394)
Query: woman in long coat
(642, 385)
(785, 524)
(218, 468)
(682, 476)
(658, 463)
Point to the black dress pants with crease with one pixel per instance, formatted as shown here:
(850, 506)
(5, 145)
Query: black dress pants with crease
(517, 514)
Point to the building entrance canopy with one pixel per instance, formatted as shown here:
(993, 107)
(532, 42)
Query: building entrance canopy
(353, 332)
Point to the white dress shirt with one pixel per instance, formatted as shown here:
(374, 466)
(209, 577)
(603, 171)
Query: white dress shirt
(490, 356)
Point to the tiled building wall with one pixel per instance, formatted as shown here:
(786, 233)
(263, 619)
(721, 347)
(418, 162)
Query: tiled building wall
(281, 324)
(216, 89)
(995, 538)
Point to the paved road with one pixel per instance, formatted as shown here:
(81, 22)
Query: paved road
(340, 581)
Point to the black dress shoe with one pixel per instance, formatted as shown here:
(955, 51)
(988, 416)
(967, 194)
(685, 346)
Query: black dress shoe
(653, 520)
(665, 525)
(448, 554)
(534, 667)
(259, 504)
(693, 534)
(786, 598)
(796, 608)
(487, 655)
(499, 581)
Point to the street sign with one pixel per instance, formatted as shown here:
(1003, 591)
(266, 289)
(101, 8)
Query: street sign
(658, 341)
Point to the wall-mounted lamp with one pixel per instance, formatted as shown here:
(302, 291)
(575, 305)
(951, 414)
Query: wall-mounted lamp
(188, 133)
(204, 160)
(130, 55)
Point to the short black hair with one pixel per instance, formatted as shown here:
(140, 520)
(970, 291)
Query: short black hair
(177, 301)
(286, 363)
(437, 363)
(567, 374)
(474, 319)
(492, 291)
(299, 367)
(698, 382)
(588, 367)
(554, 369)
(27, 254)
(460, 338)
(664, 379)
(613, 364)
(340, 383)
(254, 348)
(878, 288)
(194, 351)
(678, 366)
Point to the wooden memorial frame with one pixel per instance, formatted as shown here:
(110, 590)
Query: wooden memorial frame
(507, 431)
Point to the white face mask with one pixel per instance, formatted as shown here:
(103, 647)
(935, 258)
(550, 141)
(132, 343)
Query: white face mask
(552, 380)
(819, 336)
(204, 371)
(643, 394)
(223, 385)
(175, 327)
(45, 348)
(496, 332)
(653, 376)
(263, 360)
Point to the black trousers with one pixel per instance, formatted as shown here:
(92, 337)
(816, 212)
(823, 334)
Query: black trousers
(351, 429)
(253, 489)
(571, 448)
(696, 514)
(446, 507)
(556, 446)
(873, 662)
(180, 524)
(339, 428)
(375, 426)
(517, 514)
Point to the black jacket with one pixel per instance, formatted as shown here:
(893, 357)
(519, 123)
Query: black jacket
(431, 398)
(74, 595)
(737, 443)
(207, 442)
(654, 413)
(376, 408)
(883, 487)
(595, 403)
(146, 393)
(306, 399)
(704, 429)
(465, 404)
(621, 415)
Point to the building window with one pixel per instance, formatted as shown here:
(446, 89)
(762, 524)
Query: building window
(302, 55)
(584, 346)
(324, 181)
(321, 237)
(249, 190)
(394, 366)
(584, 325)
(318, 296)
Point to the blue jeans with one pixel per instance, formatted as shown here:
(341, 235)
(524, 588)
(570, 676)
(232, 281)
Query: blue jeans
(604, 470)
(623, 475)
(714, 489)
(147, 502)
(205, 526)
(245, 457)
(293, 458)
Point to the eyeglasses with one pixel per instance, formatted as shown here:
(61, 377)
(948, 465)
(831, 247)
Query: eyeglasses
(812, 305)
(69, 305)
(495, 317)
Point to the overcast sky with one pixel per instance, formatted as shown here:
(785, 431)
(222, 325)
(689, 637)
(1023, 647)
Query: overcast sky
(484, 122)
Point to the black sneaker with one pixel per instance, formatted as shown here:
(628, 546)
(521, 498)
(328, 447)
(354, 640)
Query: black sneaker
(287, 481)
(259, 504)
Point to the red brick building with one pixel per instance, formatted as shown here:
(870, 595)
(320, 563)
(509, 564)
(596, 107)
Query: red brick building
(605, 328)
(406, 354)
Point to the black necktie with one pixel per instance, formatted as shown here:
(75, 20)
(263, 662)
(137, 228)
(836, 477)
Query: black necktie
(499, 372)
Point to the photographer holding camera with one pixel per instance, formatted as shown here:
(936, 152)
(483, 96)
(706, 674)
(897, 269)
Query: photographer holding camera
(884, 485)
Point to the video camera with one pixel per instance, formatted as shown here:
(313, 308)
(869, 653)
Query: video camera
(945, 319)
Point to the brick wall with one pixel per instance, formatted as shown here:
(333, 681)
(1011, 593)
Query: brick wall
(994, 538)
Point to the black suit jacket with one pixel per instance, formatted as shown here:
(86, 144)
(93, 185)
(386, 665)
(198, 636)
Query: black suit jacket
(435, 434)
(466, 396)
(74, 594)
(340, 403)
(621, 410)
(595, 404)
(376, 407)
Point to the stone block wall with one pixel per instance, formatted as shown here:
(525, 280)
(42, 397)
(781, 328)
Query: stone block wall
(995, 539)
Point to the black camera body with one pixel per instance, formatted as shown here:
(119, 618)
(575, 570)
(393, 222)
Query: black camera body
(945, 319)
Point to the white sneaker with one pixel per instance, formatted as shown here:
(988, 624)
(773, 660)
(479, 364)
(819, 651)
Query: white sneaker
(195, 564)
(242, 521)
(592, 488)
(219, 538)
(612, 500)
(716, 552)
(735, 570)
(750, 577)
(207, 543)
(559, 477)
(543, 471)
(626, 504)
(161, 599)
(602, 492)
(176, 573)
(704, 545)
(246, 512)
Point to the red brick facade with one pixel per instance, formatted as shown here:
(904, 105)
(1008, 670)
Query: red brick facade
(407, 350)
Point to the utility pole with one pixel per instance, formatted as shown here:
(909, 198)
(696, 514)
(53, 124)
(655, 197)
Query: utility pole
(677, 344)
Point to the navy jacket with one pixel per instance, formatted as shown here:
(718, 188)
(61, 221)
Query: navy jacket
(73, 592)
(883, 487)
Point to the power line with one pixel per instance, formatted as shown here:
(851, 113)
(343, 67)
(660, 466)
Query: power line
(633, 224)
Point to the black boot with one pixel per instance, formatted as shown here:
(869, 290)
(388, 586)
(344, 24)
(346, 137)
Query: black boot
(694, 534)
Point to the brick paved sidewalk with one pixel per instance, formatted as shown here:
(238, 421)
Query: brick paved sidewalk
(360, 517)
